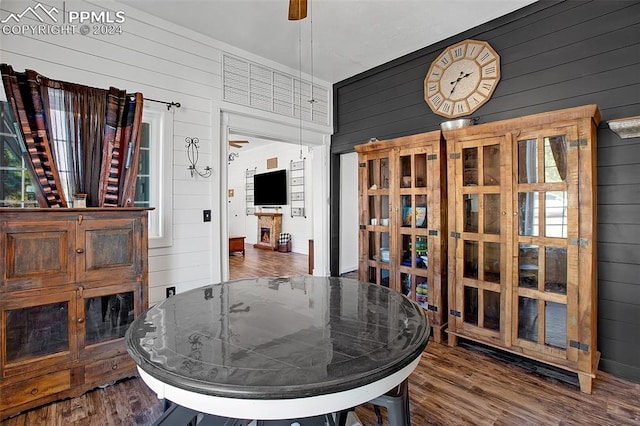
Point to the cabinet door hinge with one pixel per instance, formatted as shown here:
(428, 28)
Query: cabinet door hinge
(578, 142)
(454, 156)
(579, 345)
(363, 226)
(578, 242)
(455, 313)
(455, 234)
(432, 157)
(433, 232)
(433, 308)
(362, 164)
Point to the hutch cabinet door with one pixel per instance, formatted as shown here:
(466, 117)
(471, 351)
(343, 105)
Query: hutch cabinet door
(109, 247)
(36, 254)
(375, 249)
(480, 206)
(38, 332)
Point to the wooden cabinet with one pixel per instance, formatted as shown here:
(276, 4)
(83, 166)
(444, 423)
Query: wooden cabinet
(401, 215)
(71, 282)
(522, 248)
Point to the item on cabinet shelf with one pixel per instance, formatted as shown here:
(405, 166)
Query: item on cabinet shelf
(384, 221)
(511, 260)
(80, 201)
(384, 255)
(71, 286)
(406, 182)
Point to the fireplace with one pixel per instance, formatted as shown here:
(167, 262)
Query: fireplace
(269, 228)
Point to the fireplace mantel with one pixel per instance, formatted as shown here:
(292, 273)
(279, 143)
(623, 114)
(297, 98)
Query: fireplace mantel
(269, 228)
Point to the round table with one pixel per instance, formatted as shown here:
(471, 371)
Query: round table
(278, 348)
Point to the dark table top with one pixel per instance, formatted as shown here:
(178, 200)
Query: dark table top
(266, 338)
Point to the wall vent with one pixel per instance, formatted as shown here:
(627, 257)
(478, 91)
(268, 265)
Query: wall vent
(250, 84)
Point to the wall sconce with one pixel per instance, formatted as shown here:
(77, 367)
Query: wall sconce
(626, 127)
(233, 156)
(192, 154)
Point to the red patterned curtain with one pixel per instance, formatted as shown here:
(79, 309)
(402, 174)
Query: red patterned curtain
(79, 139)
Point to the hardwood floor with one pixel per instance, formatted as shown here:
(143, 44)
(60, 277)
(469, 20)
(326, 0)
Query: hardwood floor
(451, 386)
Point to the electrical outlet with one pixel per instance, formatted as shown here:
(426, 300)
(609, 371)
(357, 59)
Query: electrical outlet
(171, 291)
(206, 215)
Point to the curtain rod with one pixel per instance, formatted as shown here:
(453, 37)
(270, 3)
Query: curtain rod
(168, 104)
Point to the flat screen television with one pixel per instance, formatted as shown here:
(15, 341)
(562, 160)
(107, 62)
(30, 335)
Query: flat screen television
(270, 189)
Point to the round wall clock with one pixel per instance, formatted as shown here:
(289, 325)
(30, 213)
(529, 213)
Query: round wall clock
(462, 78)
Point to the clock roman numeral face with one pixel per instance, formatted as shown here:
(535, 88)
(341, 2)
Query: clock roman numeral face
(462, 78)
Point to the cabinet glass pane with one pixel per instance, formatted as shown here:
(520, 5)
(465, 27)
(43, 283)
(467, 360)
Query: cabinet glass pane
(555, 214)
(384, 247)
(421, 211)
(378, 209)
(383, 214)
(555, 159)
(372, 168)
(406, 284)
(491, 214)
(407, 210)
(422, 252)
(405, 171)
(470, 165)
(108, 317)
(384, 173)
(406, 250)
(528, 318)
(372, 246)
(528, 214)
(528, 266)
(470, 259)
(491, 304)
(471, 305)
(527, 161)
(37, 331)
(491, 165)
(555, 270)
(422, 291)
(372, 275)
(421, 171)
(555, 325)
(384, 277)
(492, 262)
(471, 208)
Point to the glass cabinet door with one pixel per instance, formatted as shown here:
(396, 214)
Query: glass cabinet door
(38, 331)
(413, 242)
(105, 314)
(480, 245)
(544, 189)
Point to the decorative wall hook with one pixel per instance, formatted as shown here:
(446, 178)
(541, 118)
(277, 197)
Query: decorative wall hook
(233, 156)
(192, 154)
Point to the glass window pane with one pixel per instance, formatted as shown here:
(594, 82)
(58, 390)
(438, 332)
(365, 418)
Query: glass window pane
(492, 262)
(555, 213)
(108, 317)
(555, 271)
(491, 161)
(471, 259)
(471, 305)
(421, 171)
(492, 214)
(527, 161)
(528, 318)
(470, 164)
(555, 159)
(470, 214)
(422, 291)
(528, 266)
(145, 132)
(384, 173)
(491, 305)
(37, 331)
(528, 213)
(555, 325)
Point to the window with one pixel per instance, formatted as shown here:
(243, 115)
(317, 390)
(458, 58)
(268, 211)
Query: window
(154, 181)
(15, 187)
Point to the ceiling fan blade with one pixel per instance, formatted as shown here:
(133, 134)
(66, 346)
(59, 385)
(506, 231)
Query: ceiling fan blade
(297, 9)
(237, 143)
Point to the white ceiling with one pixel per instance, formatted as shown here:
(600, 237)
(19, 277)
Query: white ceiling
(349, 36)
